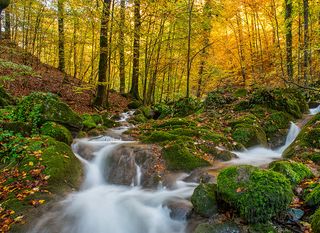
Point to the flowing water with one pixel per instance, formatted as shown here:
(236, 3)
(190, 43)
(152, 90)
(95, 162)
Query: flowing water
(101, 207)
(314, 111)
(260, 155)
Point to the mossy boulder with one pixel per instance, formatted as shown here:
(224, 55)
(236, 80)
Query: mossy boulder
(258, 195)
(186, 106)
(275, 122)
(39, 108)
(62, 167)
(226, 227)
(174, 123)
(312, 199)
(162, 110)
(88, 122)
(217, 99)
(262, 228)
(134, 104)
(204, 200)
(308, 140)
(138, 119)
(56, 131)
(5, 98)
(315, 222)
(146, 111)
(159, 136)
(179, 157)
(247, 131)
(294, 171)
(23, 128)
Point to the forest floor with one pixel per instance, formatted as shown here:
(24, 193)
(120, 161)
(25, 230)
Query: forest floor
(22, 73)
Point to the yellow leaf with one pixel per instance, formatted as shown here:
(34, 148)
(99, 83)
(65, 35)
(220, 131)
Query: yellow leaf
(42, 201)
(30, 163)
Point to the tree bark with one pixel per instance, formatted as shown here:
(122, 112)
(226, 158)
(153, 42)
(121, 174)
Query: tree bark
(61, 65)
(121, 47)
(136, 51)
(306, 58)
(100, 99)
(288, 27)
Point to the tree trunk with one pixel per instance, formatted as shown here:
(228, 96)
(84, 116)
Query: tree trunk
(288, 27)
(121, 47)
(100, 99)
(306, 58)
(190, 8)
(7, 24)
(61, 65)
(136, 51)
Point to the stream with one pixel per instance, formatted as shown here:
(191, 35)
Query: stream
(104, 207)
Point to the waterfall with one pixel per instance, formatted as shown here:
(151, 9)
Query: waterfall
(315, 111)
(260, 156)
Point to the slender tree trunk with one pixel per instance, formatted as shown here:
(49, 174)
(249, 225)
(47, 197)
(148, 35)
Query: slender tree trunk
(190, 9)
(136, 51)
(100, 99)
(121, 47)
(288, 28)
(306, 58)
(61, 65)
(241, 50)
(8, 24)
(299, 42)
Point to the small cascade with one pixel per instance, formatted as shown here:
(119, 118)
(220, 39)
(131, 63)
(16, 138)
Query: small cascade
(315, 111)
(258, 156)
(138, 175)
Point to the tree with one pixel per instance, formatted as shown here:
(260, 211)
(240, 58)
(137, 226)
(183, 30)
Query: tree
(190, 9)
(100, 99)
(136, 51)
(61, 35)
(3, 5)
(306, 58)
(288, 29)
(121, 47)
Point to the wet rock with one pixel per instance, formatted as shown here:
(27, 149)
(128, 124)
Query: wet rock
(227, 227)
(128, 160)
(198, 176)
(295, 214)
(204, 200)
(180, 209)
(86, 150)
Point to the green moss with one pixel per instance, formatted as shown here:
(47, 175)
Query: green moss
(249, 135)
(275, 122)
(139, 118)
(56, 131)
(295, 172)
(88, 122)
(262, 228)
(159, 136)
(313, 198)
(315, 222)
(256, 194)
(226, 227)
(97, 119)
(179, 157)
(186, 132)
(241, 92)
(146, 111)
(61, 165)
(23, 128)
(5, 98)
(186, 106)
(39, 108)
(204, 200)
(313, 156)
(134, 104)
(175, 123)
(162, 110)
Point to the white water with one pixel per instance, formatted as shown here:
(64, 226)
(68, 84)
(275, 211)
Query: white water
(105, 208)
(315, 111)
(258, 156)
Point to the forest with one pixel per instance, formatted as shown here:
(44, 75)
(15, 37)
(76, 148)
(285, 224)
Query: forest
(177, 116)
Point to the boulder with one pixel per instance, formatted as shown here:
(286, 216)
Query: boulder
(227, 227)
(39, 108)
(204, 200)
(258, 195)
(57, 131)
(180, 209)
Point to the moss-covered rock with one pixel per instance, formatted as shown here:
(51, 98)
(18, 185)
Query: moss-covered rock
(5, 98)
(256, 194)
(138, 119)
(308, 140)
(159, 136)
(186, 106)
(294, 171)
(226, 227)
(179, 157)
(88, 122)
(162, 110)
(146, 111)
(204, 200)
(62, 167)
(217, 153)
(217, 99)
(174, 123)
(23, 128)
(315, 222)
(275, 122)
(312, 199)
(39, 108)
(56, 131)
(134, 104)
(262, 228)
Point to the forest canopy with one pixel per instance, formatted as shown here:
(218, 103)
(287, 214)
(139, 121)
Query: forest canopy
(164, 50)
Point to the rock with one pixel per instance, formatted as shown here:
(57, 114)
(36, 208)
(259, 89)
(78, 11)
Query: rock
(134, 104)
(23, 128)
(179, 157)
(204, 200)
(199, 176)
(312, 199)
(294, 171)
(122, 166)
(227, 227)
(256, 194)
(315, 222)
(39, 108)
(295, 214)
(56, 131)
(180, 209)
